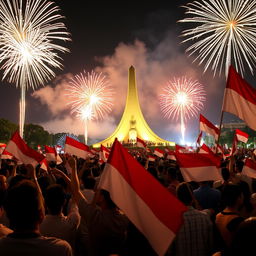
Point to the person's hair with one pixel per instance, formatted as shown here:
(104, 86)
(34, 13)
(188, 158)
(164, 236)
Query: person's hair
(244, 239)
(183, 192)
(55, 198)
(225, 173)
(106, 195)
(15, 180)
(172, 172)
(88, 182)
(24, 206)
(231, 193)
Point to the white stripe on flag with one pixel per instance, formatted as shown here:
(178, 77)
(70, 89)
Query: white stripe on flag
(76, 151)
(142, 216)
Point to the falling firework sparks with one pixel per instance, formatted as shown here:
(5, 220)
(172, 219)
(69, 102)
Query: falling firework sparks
(28, 52)
(91, 97)
(182, 98)
(226, 33)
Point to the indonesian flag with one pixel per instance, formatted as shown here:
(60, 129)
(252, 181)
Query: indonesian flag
(94, 151)
(209, 128)
(158, 152)
(151, 158)
(44, 165)
(240, 98)
(180, 149)
(19, 149)
(171, 156)
(74, 147)
(249, 168)
(198, 141)
(148, 150)
(198, 167)
(6, 155)
(205, 150)
(152, 209)
(141, 143)
(242, 136)
(2, 147)
(50, 153)
(104, 153)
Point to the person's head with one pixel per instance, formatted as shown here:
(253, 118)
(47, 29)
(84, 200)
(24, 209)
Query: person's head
(24, 206)
(244, 239)
(55, 199)
(225, 173)
(3, 182)
(172, 173)
(88, 182)
(103, 199)
(2, 198)
(184, 193)
(232, 195)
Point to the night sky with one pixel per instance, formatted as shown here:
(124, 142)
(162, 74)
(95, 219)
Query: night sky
(109, 38)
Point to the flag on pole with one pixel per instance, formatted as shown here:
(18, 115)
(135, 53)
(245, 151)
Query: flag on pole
(50, 153)
(249, 168)
(77, 148)
(158, 152)
(2, 147)
(180, 149)
(208, 127)
(205, 150)
(19, 149)
(104, 153)
(141, 143)
(44, 165)
(198, 167)
(151, 158)
(242, 136)
(240, 98)
(171, 156)
(152, 209)
(198, 141)
(6, 155)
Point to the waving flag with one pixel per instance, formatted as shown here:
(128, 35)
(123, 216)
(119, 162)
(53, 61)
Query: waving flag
(19, 149)
(50, 153)
(158, 152)
(77, 148)
(249, 168)
(180, 149)
(151, 158)
(198, 141)
(152, 209)
(104, 153)
(198, 167)
(242, 136)
(240, 98)
(209, 128)
(6, 155)
(205, 150)
(141, 143)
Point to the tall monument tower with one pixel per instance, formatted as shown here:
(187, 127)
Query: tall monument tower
(132, 123)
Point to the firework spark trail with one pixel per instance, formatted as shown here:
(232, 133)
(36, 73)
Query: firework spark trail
(182, 99)
(224, 33)
(28, 51)
(91, 97)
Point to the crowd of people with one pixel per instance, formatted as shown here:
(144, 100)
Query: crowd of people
(61, 212)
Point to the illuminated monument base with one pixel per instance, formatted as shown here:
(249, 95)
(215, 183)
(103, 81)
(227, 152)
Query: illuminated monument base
(133, 124)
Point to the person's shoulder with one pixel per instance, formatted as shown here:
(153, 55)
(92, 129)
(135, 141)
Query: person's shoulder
(56, 244)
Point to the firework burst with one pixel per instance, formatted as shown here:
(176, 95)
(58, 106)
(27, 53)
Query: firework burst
(182, 99)
(224, 33)
(28, 51)
(91, 97)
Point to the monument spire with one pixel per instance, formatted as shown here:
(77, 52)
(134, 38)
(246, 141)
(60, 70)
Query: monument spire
(132, 123)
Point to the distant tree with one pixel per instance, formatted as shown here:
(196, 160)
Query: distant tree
(36, 135)
(7, 128)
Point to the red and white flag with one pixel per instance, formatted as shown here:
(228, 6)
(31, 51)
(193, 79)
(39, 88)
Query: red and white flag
(171, 156)
(151, 158)
(158, 152)
(205, 150)
(242, 136)
(74, 147)
(208, 127)
(198, 167)
(6, 155)
(240, 98)
(249, 168)
(141, 143)
(19, 149)
(44, 165)
(104, 153)
(153, 210)
(198, 141)
(2, 147)
(180, 149)
(50, 153)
